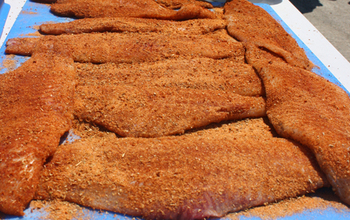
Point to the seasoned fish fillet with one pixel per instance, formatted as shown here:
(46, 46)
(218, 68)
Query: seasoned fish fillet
(259, 57)
(250, 23)
(36, 110)
(198, 73)
(88, 25)
(135, 47)
(175, 4)
(154, 111)
(315, 112)
(127, 8)
(204, 174)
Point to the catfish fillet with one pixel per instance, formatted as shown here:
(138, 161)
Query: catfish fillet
(36, 110)
(88, 25)
(315, 112)
(127, 8)
(134, 47)
(250, 23)
(194, 176)
(175, 4)
(198, 73)
(155, 111)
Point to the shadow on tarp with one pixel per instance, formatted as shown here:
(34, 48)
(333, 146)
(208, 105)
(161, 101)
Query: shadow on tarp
(306, 6)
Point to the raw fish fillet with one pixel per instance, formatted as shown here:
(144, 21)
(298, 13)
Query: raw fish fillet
(154, 111)
(259, 57)
(198, 73)
(175, 4)
(315, 112)
(194, 176)
(127, 8)
(88, 25)
(135, 47)
(36, 110)
(249, 23)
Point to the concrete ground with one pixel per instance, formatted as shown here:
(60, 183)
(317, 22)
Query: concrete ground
(331, 18)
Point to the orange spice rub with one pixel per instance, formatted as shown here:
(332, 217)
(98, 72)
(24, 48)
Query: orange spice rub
(122, 24)
(315, 112)
(175, 4)
(250, 23)
(127, 8)
(193, 176)
(135, 111)
(36, 110)
(135, 47)
(226, 75)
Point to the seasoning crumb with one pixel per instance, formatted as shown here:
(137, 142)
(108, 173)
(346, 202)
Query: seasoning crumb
(321, 200)
(9, 62)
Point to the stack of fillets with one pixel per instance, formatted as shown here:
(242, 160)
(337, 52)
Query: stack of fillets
(182, 109)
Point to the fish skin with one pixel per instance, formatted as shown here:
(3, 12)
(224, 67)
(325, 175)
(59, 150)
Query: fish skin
(121, 24)
(135, 47)
(36, 102)
(224, 169)
(134, 111)
(127, 8)
(314, 112)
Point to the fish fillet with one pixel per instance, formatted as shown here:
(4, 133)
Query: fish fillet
(154, 111)
(36, 110)
(175, 4)
(259, 57)
(198, 73)
(135, 47)
(127, 8)
(315, 112)
(199, 175)
(88, 25)
(250, 23)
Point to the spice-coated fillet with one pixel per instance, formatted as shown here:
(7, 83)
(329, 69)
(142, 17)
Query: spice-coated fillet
(258, 57)
(198, 73)
(314, 112)
(36, 110)
(194, 176)
(88, 25)
(154, 111)
(250, 23)
(127, 8)
(135, 47)
(175, 4)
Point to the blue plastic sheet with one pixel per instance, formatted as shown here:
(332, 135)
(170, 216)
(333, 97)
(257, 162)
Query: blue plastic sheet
(4, 11)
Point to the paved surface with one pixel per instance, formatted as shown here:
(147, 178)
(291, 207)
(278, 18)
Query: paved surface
(331, 18)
